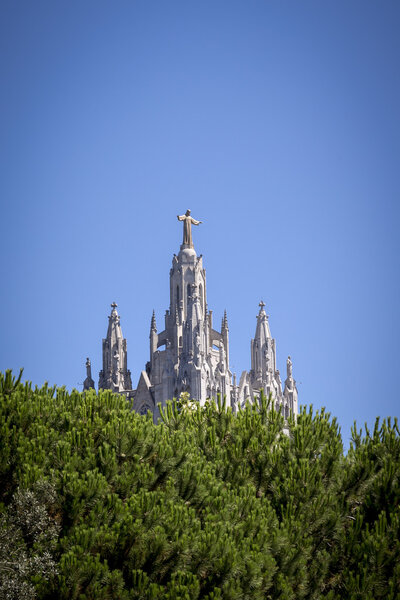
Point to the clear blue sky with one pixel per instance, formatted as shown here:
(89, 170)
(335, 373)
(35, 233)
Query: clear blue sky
(277, 123)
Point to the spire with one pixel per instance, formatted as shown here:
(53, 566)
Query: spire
(114, 327)
(225, 336)
(153, 326)
(262, 330)
(115, 375)
(153, 337)
(262, 350)
(88, 383)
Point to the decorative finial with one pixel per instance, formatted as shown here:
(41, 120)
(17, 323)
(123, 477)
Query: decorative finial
(114, 305)
(261, 304)
(153, 325)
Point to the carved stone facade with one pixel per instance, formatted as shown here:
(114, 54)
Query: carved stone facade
(189, 355)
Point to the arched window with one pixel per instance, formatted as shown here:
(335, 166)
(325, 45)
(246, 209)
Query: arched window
(189, 291)
(177, 295)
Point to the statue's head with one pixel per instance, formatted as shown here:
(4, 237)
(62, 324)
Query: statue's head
(188, 212)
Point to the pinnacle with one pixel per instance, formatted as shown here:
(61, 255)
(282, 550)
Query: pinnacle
(262, 312)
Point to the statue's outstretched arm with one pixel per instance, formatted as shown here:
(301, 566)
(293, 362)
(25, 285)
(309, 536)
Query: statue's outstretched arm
(181, 218)
(194, 222)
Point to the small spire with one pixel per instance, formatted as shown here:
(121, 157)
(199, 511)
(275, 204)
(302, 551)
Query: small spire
(224, 324)
(153, 325)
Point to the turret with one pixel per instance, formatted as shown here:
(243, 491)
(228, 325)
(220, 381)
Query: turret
(114, 375)
(88, 383)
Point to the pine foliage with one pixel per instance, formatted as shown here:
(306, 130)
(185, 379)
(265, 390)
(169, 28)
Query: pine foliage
(100, 503)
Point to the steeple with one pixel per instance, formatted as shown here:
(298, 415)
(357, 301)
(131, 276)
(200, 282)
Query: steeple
(88, 383)
(263, 360)
(187, 269)
(188, 355)
(114, 375)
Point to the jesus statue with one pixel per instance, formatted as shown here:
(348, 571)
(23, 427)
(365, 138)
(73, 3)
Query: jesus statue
(187, 228)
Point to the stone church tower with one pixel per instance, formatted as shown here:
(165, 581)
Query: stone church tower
(189, 355)
(115, 375)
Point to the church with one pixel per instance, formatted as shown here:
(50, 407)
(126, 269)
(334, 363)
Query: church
(189, 354)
